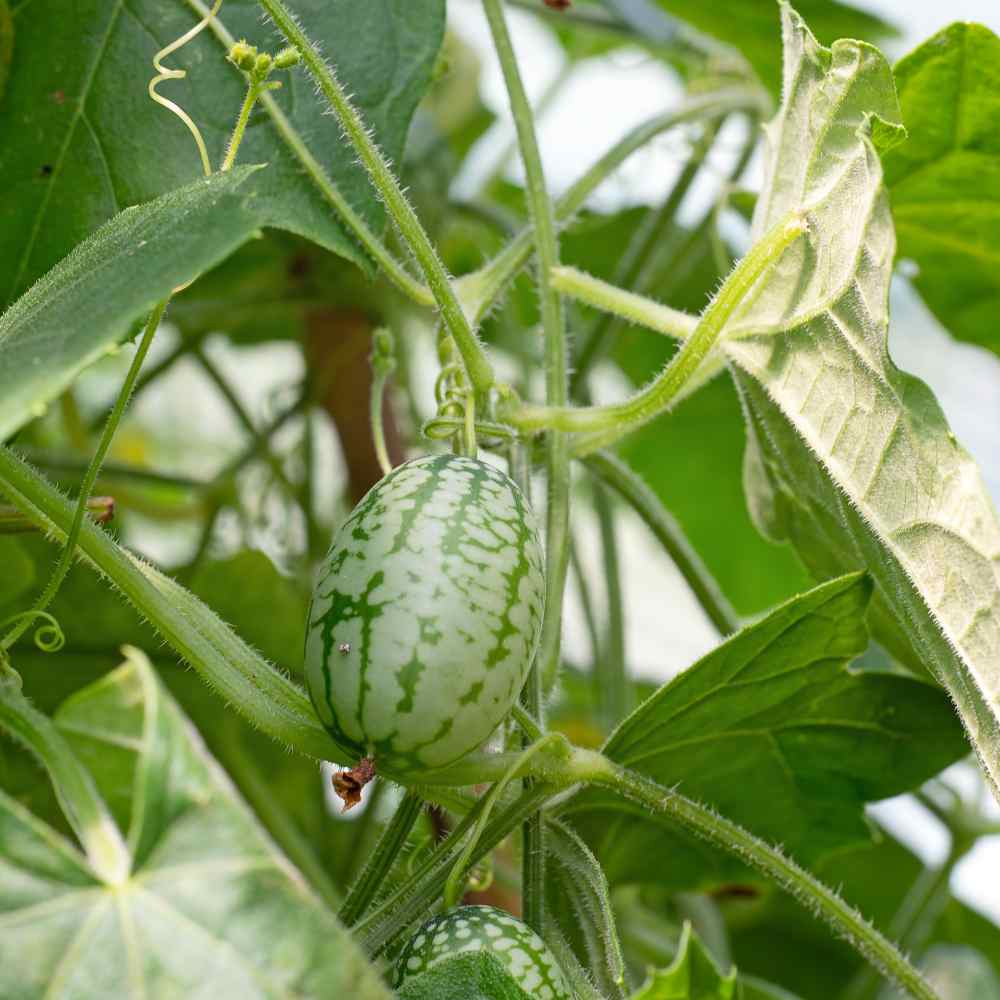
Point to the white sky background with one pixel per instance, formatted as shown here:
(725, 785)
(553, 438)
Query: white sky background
(601, 101)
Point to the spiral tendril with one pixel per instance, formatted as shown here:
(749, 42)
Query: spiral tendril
(166, 73)
(49, 636)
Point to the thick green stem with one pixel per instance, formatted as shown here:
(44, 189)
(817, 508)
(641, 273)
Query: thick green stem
(381, 860)
(647, 239)
(614, 691)
(600, 426)
(617, 301)
(616, 474)
(78, 796)
(477, 364)
(417, 895)
(90, 477)
(243, 678)
(543, 220)
(594, 768)
(915, 918)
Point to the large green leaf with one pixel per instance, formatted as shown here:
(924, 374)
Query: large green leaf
(268, 609)
(944, 182)
(209, 906)
(6, 44)
(749, 25)
(89, 301)
(776, 731)
(90, 141)
(853, 460)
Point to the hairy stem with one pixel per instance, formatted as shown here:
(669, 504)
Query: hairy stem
(392, 268)
(546, 663)
(266, 697)
(381, 860)
(594, 768)
(417, 895)
(481, 289)
(477, 365)
(600, 426)
(617, 301)
(647, 239)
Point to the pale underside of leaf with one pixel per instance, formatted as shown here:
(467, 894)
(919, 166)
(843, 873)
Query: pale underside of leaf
(258, 934)
(851, 459)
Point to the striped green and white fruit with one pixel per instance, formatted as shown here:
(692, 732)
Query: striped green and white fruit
(524, 960)
(426, 614)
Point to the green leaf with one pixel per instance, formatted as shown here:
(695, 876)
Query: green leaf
(749, 26)
(258, 933)
(579, 902)
(88, 302)
(777, 732)
(944, 182)
(6, 44)
(852, 460)
(267, 608)
(91, 142)
(693, 975)
(476, 976)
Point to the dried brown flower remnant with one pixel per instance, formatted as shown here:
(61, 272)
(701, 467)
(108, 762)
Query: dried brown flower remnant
(348, 784)
(558, 4)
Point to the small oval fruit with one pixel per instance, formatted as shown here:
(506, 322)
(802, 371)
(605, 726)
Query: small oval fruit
(522, 958)
(426, 614)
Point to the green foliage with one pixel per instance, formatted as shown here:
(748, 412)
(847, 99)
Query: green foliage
(775, 729)
(841, 437)
(693, 975)
(85, 305)
(165, 830)
(6, 44)
(69, 934)
(83, 113)
(944, 181)
(748, 26)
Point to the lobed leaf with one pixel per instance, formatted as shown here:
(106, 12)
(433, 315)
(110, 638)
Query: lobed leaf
(258, 934)
(851, 459)
(944, 182)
